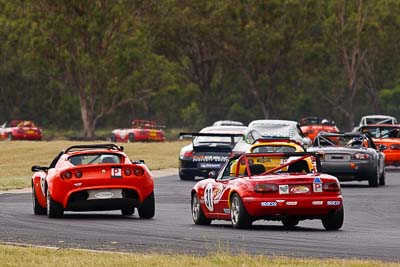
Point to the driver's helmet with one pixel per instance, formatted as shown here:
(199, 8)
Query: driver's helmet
(325, 121)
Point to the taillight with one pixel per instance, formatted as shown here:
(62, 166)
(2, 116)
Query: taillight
(243, 162)
(331, 187)
(66, 175)
(78, 174)
(128, 172)
(185, 154)
(138, 171)
(361, 156)
(395, 147)
(266, 188)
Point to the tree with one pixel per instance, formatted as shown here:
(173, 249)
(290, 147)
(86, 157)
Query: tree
(97, 49)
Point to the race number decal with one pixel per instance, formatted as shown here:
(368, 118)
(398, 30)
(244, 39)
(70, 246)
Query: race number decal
(116, 172)
(208, 197)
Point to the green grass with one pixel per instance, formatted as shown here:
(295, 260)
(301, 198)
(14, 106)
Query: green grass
(17, 157)
(42, 257)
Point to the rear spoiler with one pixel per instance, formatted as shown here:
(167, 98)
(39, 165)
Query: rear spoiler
(95, 146)
(191, 135)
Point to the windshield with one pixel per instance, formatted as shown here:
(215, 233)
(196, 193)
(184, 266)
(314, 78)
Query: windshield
(383, 132)
(96, 158)
(268, 149)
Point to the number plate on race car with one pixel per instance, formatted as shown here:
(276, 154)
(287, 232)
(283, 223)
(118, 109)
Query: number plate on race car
(205, 165)
(116, 172)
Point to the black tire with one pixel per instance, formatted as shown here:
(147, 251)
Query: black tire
(373, 180)
(131, 137)
(334, 220)
(382, 178)
(37, 208)
(197, 213)
(239, 217)
(10, 137)
(127, 211)
(186, 177)
(147, 208)
(290, 222)
(113, 138)
(54, 209)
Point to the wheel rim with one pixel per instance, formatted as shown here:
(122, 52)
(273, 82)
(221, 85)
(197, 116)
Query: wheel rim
(195, 208)
(235, 210)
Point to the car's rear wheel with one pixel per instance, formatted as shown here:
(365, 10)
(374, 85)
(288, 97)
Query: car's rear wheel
(54, 209)
(37, 208)
(186, 177)
(382, 178)
(10, 137)
(131, 137)
(147, 209)
(334, 220)
(197, 213)
(373, 180)
(127, 211)
(113, 138)
(239, 217)
(290, 222)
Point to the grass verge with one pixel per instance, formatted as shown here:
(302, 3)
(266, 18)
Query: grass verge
(11, 256)
(17, 157)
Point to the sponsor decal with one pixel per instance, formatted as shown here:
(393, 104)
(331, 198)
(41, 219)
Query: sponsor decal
(317, 202)
(333, 203)
(284, 189)
(291, 203)
(280, 202)
(317, 185)
(204, 158)
(263, 159)
(210, 165)
(116, 172)
(104, 195)
(269, 204)
(299, 189)
(208, 197)
(226, 210)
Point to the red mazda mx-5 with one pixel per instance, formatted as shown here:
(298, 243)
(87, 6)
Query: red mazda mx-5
(248, 188)
(20, 130)
(93, 178)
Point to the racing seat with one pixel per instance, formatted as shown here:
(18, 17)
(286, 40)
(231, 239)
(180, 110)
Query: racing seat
(77, 160)
(108, 160)
(255, 169)
(299, 166)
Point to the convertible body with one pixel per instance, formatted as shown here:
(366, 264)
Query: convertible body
(289, 193)
(20, 130)
(141, 131)
(93, 178)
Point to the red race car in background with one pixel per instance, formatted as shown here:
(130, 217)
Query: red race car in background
(288, 193)
(93, 178)
(20, 130)
(142, 130)
(388, 136)
(311, 126)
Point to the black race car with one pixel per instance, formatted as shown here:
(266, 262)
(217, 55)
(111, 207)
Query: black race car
(209, 151)
(350, 157)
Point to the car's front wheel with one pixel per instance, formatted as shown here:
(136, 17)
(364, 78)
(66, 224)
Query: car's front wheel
(113, 138)
(334, 220)
(197, 214)
(239, 217)
(37, 208)
(10, 137)
(147, 208)
(54, 209)
(131, 137)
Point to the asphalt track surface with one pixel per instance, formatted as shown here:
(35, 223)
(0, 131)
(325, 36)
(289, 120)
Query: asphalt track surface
(371, 229)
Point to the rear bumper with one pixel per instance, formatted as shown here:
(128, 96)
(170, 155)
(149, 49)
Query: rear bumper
(300, 207)
(349, 171)
(201, 169)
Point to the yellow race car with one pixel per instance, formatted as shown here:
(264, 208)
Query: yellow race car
(275, 145)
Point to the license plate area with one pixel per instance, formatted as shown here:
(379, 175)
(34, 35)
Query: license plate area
(104, 194)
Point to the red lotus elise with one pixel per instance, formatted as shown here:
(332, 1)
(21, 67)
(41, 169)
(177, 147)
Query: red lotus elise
(288, 193)
(141, 131)
(93, 178)
(20, 130)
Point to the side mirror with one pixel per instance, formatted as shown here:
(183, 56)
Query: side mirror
(139, 161)
(212, 174)
(382, 147)
(37, 168)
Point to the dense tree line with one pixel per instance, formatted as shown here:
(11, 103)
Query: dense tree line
(85, 64)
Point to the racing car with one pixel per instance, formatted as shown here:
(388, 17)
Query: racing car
(311, 126)
(97, 177)
(351, 157)
(209, 150)
(247, 189)
(20, 130)
(388, 136)
(141, 131)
